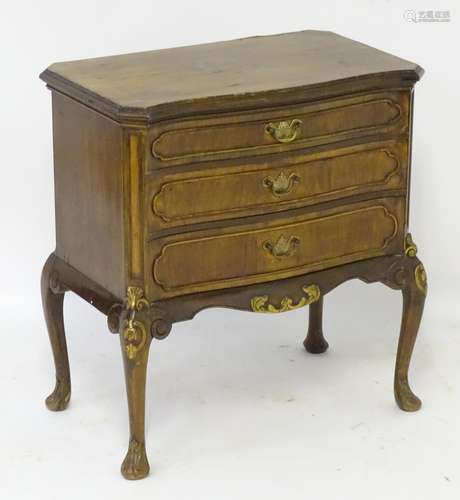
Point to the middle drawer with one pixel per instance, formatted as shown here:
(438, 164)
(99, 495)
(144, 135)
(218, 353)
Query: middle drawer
(297, 180)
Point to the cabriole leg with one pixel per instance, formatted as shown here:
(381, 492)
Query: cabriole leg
(414, 292)
(138, 323)
(135, 343)
(135, 339)
(53, 300)
(315, 342)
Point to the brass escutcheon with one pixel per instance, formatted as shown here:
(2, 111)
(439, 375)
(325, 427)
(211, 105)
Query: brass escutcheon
(284, 247)
(284, 131)
(282, 185)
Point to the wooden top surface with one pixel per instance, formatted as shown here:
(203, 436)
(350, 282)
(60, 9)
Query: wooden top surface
(133, 83)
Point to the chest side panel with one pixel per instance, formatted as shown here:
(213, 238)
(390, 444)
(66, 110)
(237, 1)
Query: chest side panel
(89, 192)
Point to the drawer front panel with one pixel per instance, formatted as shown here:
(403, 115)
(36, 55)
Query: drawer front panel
(284, 129)
(262, 252)
(215, 194)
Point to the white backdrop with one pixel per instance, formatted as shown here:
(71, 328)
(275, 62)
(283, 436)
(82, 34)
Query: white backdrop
(226, 418)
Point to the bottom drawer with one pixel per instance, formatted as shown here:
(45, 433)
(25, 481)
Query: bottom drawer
(274, 249)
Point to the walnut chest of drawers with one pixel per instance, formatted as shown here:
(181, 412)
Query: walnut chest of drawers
(256, 174)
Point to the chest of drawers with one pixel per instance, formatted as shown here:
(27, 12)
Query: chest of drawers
(256, 174)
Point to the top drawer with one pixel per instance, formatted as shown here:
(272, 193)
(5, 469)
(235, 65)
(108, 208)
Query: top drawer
(278, 130)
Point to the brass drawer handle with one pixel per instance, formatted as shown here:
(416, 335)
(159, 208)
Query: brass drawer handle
(284, 247)
(262, 304)
(284, 131)
(282, 185)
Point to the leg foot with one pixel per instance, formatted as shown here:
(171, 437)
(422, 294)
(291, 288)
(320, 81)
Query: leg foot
(414, 292)
(135, 465)
(405, 398)
(60, 397)
(315, 343)
(53, 301)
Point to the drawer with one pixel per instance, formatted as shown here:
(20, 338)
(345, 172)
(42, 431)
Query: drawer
(277, 130)
(277, 248)
(271, 186)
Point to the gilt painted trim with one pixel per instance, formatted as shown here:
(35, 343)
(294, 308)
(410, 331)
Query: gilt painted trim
(135, 300)
(134, 332)
(135, 204)
(410, 248)
(261, 304)
(421, 279)
(135, 338)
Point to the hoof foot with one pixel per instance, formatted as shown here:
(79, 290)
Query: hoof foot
(135, 465)
(405, 398)
(60, 397)
(316, 345)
